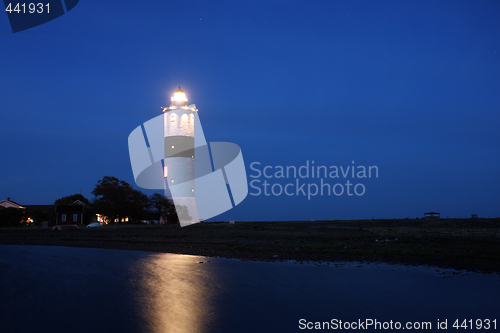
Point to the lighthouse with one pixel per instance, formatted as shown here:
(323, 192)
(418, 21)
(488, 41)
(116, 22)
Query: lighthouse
(179, 162)
(170, 152)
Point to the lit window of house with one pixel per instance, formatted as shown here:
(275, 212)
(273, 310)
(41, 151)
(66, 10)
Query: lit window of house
(75, 217)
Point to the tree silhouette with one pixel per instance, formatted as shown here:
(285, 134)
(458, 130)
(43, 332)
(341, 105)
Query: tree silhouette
(164, 208)
(70, 199)
(116, 199)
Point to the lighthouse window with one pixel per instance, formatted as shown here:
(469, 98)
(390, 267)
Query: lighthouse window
(184, 117)
(172, 118)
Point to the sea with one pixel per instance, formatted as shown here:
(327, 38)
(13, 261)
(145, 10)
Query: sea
(69, 289)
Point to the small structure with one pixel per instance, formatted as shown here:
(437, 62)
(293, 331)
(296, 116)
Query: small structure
(473, 216)
(432, 216)
(70, 214)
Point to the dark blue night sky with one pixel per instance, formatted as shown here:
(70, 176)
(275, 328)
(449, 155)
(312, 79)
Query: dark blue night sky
(409, 86)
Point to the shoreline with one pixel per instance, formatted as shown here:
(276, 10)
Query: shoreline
(452, 244)
(306, 262)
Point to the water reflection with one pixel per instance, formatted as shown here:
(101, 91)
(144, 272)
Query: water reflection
(174, 293)
(96, 290)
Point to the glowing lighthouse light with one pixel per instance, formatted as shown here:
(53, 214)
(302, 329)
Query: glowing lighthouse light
(179, 97)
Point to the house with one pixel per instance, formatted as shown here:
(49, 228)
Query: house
(31, 213)
(5, 204)
(69, 214)
(10, 204)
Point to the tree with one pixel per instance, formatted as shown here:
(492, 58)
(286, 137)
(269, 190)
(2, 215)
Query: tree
(182, 213)
(70, 199)
(164, 208)
(159, 206)
(116, 199)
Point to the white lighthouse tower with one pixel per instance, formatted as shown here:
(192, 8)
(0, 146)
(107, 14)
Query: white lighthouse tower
(170, 152)
(178, 164)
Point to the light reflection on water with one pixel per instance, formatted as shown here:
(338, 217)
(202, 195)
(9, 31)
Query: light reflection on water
(58, 289)
(175, 293)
